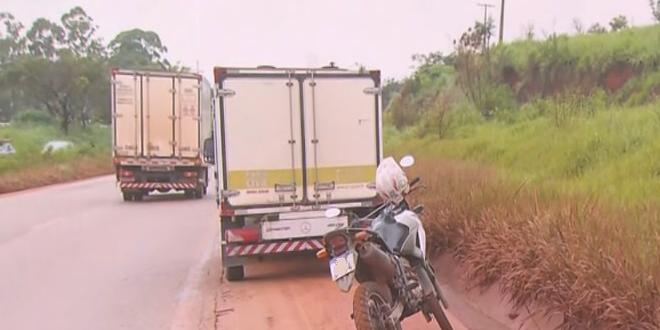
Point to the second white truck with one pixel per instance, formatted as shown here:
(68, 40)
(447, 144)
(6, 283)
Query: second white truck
(160, 121)
(290, 143)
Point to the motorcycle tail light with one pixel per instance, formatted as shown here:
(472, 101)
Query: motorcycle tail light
(337, 244)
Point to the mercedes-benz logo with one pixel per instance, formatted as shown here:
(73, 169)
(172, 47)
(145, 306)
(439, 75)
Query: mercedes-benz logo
(306, 227)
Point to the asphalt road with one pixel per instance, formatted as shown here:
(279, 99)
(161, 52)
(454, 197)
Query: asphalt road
(76, 256)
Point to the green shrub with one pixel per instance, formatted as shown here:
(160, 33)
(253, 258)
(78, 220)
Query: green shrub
(34, 117)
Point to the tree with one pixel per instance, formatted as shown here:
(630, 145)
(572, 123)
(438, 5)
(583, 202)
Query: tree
(63, 86)
(578, 26)
(433, 58)
(597, 29)
(529, 32)
(138, 49)
(12, 45)
(619, 23)
(390, 88)
(472, 62)
(45, 38)
(79, 34)
(655, 9)
(12, 42)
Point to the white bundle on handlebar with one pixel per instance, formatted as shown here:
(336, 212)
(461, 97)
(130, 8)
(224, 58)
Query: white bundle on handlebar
(391, 181)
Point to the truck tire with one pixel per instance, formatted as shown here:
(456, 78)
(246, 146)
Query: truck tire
(127, 196)
(235, 273)
(139, 196)
(199, 193)
(189, 193)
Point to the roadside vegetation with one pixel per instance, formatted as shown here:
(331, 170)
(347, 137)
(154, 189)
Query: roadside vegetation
(31, 167)
(541, 162)
(596, 265)
(55, 84)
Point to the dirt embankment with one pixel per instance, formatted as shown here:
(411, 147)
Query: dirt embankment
(565, 78)
(46, 174)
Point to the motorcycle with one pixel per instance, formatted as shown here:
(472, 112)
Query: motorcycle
(385, 251)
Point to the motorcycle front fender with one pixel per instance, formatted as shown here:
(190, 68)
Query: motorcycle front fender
(342, 269)
(346, 283)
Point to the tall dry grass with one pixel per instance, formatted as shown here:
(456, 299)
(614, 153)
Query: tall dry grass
(596, 266)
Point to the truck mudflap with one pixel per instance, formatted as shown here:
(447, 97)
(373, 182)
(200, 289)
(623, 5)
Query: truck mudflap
(269, 248)
(157, 185)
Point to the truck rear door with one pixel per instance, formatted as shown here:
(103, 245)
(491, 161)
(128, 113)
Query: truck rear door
(261, 139)
(127, 114)
(158, 93)
(341, 137)
(187, 127)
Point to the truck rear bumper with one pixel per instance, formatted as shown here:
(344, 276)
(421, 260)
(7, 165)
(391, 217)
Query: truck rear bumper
(157, 185)
(269, 248)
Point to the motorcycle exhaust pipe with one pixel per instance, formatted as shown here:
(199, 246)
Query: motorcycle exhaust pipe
(381, 265)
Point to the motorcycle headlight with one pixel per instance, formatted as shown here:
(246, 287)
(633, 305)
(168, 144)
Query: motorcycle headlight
(337, 244)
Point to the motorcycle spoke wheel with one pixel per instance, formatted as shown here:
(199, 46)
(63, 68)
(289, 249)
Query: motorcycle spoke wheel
(371, 308)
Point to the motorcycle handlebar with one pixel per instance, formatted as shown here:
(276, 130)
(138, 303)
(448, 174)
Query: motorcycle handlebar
(412, 186)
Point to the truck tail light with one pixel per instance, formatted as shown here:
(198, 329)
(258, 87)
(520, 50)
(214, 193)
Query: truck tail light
(242, 235)
(190, 174)
(226, 210)
(126, 174)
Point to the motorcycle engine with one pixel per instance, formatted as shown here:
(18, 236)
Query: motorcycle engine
(412, 290)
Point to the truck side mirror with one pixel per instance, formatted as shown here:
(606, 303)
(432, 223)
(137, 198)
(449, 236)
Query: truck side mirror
(209, 151)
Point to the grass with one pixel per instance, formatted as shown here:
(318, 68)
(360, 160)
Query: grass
(611, 154)
(29, 168)
(554, 193)
(587, 52)
(565, 213)
(597, 266)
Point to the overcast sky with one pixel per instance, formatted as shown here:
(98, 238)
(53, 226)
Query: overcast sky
(380, 34)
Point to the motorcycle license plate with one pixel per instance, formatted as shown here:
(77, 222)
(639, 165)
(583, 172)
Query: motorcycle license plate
(342, 265)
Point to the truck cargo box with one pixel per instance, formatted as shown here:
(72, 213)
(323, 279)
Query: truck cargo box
(159, 114)
(297, 136)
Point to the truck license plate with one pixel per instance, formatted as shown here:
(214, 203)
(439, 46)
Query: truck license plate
(342, 265)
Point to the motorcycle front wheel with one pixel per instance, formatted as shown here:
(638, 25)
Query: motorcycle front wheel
(371, 307)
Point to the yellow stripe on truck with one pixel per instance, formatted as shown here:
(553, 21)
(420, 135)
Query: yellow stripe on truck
(268, 178)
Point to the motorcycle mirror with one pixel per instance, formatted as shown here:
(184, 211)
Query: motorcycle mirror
(407, 161)
(332, 212)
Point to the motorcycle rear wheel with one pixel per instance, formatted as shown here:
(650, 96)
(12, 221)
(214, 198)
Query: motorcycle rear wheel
(371, 305)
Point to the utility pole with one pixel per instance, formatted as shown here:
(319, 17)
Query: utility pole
(502, 23)
(486, 31)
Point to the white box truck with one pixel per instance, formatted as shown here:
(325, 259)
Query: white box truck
(160, 120)
(289, 143)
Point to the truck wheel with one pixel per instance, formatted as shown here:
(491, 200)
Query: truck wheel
(235, 273)
(138, 196)
(199, 193)
(189, 193)
(127, 196)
